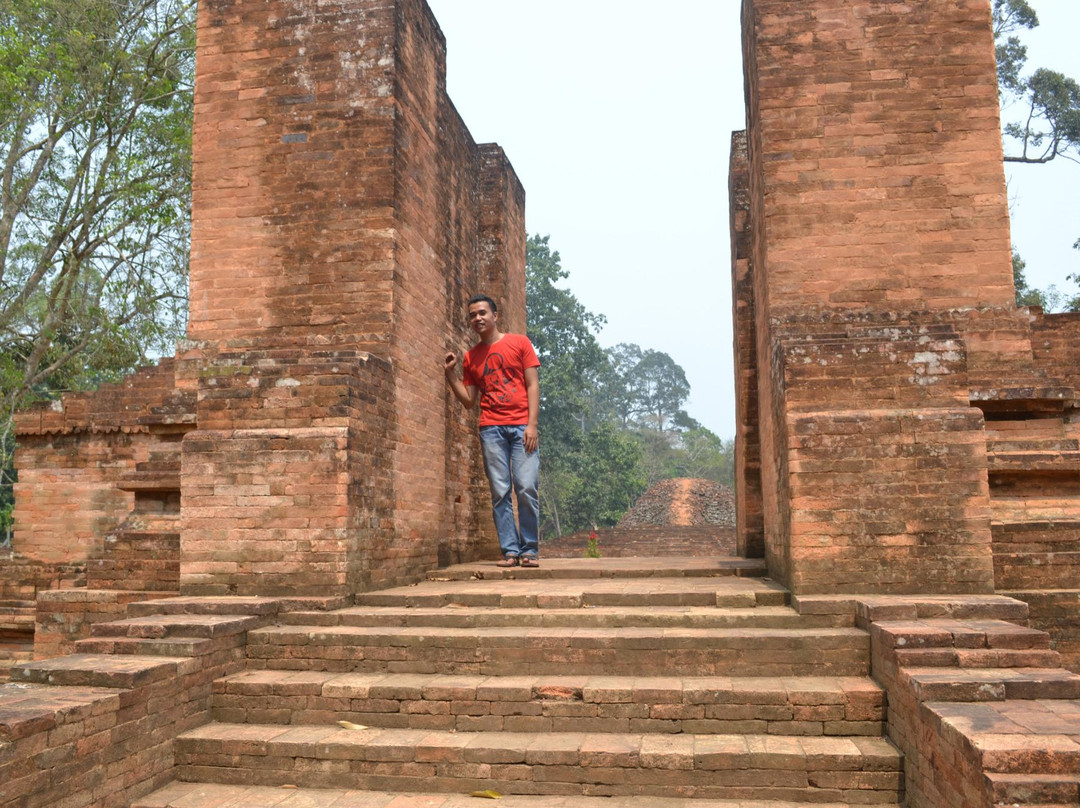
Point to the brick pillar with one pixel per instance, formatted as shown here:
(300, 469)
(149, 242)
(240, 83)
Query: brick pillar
(878, 210)
(339, 221)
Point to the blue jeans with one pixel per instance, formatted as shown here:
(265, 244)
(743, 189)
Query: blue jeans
(508, 466)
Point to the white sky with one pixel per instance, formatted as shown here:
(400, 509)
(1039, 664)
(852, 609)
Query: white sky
(617, 116)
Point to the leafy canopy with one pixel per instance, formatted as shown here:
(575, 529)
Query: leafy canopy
(95, 156)
(1047, 125)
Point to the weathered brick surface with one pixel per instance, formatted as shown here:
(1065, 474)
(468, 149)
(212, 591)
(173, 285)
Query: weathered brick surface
(1056, 612)
(342, 215)
(420, 217)
(99, 729)
(876, 160)
(74, 454)
(969, 695)
(285, 488)
(890, 500)
(65, 616)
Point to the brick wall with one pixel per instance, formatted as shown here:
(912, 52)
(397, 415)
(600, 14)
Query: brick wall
(293, 194)
(878, 158)
(889, 501)
(286, 488)
(71, 455)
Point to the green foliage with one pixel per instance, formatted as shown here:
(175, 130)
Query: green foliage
(95, 155)
(706, 456)
(1050, 299)
(1048, 125)
(592, 549)
(590, 472)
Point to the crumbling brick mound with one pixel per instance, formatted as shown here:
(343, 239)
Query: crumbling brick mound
(683, 502)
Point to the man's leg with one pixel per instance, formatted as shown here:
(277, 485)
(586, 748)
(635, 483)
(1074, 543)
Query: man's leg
(526, 474)
(495, 445)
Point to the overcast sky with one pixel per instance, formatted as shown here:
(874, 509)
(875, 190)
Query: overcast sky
(617, 117)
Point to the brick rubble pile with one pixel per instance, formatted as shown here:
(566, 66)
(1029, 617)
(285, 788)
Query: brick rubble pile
(706, 503)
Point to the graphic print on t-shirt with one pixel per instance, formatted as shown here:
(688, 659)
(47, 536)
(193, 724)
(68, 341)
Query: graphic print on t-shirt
(498, 381)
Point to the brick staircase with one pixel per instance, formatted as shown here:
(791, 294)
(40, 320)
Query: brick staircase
(641, 682)
(637, 679)
(977, 701)
(648, 540)
(1033, 458)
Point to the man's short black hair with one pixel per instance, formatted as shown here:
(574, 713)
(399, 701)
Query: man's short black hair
(483, 299)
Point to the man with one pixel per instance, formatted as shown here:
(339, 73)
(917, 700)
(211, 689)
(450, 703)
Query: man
(501, 373)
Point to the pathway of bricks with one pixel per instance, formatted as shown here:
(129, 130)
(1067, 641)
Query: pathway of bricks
(681, 513)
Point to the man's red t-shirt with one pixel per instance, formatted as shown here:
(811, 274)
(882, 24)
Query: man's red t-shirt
(499, 372)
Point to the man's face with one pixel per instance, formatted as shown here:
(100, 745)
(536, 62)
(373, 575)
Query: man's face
(481, 317)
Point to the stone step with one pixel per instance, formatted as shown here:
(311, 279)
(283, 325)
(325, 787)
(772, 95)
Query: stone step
(1044, 459)
(574, 593)
(182, 625)
(591, 651)
(215, 795)
(864, 770)
(775, 706)
(977, 658)
(992, 684)
(188, 647)
(1037, 737)
(882, 608)
(1033, 569)
(96, 670)
(234, 605)
(588, 617)
(958, 634)
(631, 567)
(1034, 789)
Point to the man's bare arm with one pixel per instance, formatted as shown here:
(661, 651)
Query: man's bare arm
(466, 395)
(531, 438)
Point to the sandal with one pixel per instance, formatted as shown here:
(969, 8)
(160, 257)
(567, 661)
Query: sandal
(508, 561)
(529, 561)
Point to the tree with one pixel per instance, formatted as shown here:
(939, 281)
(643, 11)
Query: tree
(609, 477)
(95, 154)
(611, 421)
(706, 456)
(1049, 126)
(563, 332)
(646, 389)
(661, 388)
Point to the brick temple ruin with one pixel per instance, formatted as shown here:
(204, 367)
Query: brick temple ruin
(283, 527)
